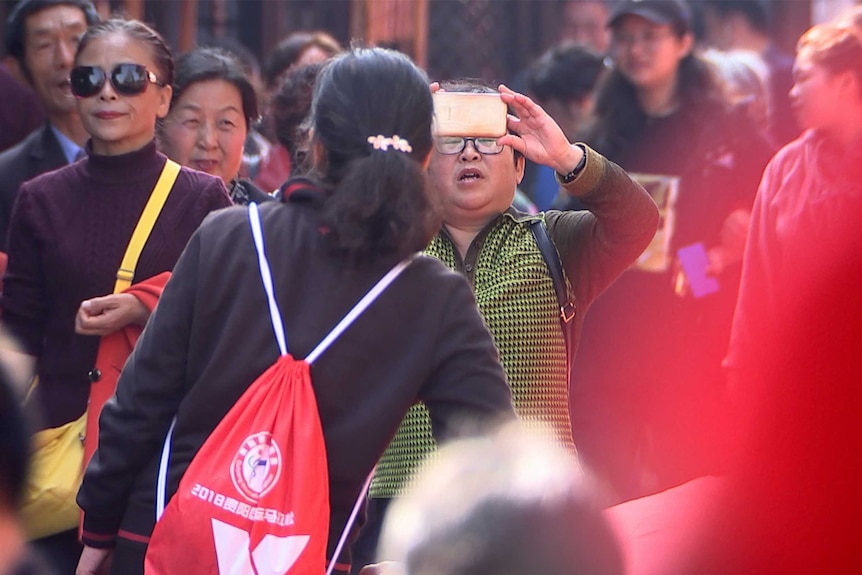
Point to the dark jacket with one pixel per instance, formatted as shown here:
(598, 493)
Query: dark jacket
(422, 339)
(38, 153)
(634, 345)
(650, 353)
(21, 112)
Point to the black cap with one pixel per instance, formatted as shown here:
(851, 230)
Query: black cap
(657, 11)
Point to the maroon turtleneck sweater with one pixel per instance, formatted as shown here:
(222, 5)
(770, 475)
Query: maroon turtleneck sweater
(67, 236)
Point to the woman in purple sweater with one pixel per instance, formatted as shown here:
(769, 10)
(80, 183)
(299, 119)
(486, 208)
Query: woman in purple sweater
(70, 228)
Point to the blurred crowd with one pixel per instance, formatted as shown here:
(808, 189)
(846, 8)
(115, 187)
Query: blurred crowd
(699, 188)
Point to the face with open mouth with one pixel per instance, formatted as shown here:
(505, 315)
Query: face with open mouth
(206, 128)
(52, 36)
(475, 187)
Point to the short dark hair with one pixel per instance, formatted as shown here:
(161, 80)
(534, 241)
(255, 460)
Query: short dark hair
(14, 444)
(290, 107)
(755, 11)
(139, 31)
(469, 86)
(16, 22)
(378, 200)
(289, 50)
(250, 63)
(569, 73)
(203, 64)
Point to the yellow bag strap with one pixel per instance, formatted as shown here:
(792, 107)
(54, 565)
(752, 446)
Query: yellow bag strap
(139, 238)
(145, 225)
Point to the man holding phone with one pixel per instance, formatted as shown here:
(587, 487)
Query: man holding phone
(493, 245)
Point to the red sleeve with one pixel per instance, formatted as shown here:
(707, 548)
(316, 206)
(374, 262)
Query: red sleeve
(149, 290)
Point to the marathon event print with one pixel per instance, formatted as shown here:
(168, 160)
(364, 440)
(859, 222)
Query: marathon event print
(254, 505)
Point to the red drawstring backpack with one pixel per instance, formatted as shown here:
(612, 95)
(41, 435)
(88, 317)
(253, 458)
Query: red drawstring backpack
(255, 498)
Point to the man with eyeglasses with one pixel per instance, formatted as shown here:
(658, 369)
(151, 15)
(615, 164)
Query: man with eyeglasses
(495, 248)
(41, 38)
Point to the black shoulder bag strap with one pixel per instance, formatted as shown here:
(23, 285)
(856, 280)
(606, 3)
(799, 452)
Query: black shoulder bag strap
(568, 307)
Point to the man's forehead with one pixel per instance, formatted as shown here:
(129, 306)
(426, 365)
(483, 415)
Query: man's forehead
(53, 18)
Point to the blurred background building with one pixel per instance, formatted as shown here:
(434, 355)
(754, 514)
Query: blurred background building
(492, 39)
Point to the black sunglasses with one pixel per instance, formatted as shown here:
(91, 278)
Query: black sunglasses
(127, 79)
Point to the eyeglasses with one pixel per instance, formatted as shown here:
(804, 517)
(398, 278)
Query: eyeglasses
(452, 145)
(127, 79)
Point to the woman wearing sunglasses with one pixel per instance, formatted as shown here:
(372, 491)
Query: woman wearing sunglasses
(212, 108)
(70, 228)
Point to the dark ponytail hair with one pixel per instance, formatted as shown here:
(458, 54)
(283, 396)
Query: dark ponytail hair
(140, 32)
(378, 201)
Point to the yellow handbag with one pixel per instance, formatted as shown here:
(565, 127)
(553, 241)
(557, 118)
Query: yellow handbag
(57, 461)
(56, 468)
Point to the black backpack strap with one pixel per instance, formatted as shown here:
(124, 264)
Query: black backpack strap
(568, 307)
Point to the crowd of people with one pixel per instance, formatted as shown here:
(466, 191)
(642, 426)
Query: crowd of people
(626, 271)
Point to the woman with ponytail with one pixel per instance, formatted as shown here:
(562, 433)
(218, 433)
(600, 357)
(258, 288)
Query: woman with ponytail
(328, 241)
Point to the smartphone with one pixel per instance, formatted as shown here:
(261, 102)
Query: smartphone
(468, 114)
(695, 262)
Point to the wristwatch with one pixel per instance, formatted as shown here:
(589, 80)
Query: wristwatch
(570, 177)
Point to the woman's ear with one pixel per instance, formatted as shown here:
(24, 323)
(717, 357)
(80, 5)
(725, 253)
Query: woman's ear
(165, 93)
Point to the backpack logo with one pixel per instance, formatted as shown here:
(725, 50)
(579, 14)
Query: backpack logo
(272, 556)
(256, 467)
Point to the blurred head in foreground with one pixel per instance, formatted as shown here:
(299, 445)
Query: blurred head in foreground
(14, 453)
(508, 504)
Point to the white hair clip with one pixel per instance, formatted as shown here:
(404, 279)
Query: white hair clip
(380, 142)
